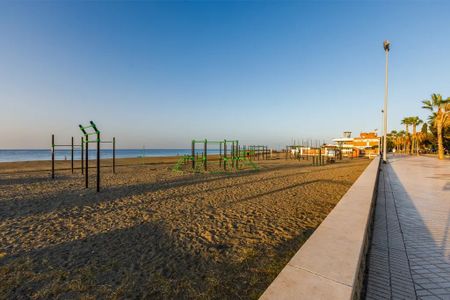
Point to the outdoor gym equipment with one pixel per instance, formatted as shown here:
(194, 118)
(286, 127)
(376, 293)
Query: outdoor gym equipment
(224, 157)
(258, 152)
(98, 141)
(231, 155)
(72, 149)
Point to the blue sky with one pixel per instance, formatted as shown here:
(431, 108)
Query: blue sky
(161, 73)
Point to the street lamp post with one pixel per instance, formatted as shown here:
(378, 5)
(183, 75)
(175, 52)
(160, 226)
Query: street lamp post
(381, 137)
(386, 46)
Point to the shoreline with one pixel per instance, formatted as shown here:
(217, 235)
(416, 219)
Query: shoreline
(64, 165)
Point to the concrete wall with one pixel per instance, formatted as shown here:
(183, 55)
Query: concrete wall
(331, 263)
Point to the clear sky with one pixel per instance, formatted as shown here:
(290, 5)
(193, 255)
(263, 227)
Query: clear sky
(161, 73)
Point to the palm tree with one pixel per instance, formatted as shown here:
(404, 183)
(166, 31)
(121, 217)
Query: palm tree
(414, 121)
(407, 121)
(423, 136)
(440, 109)
(400, 140)
(391, 141)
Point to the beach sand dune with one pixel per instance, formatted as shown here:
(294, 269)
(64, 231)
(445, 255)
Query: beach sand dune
(155, 233)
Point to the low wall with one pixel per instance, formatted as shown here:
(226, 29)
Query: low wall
(331, 263)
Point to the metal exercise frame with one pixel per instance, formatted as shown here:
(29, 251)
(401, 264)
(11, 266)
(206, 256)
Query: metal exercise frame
(72, 149)
(98, 141)
(236, 153)
(223, 156)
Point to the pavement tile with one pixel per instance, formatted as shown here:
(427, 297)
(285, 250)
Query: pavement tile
(409, 247)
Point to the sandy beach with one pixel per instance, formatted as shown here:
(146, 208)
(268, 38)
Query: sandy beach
(156, 233)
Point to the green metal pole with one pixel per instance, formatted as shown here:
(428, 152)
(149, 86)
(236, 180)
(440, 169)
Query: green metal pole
(205, 159)
(238, 154)
(225, 155)
(220, 154)
(114, 155)
(232, 154)
(53, 156)
(98, 161)
(71, 156)
(87, 162)
(82, 155)
(193, 154)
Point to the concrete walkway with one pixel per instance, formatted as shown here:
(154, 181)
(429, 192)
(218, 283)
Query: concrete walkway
(409, 255)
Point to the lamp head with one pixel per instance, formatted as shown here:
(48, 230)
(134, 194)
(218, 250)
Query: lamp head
(386, 45)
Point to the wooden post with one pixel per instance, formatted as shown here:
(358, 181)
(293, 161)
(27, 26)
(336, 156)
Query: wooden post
(320, 156)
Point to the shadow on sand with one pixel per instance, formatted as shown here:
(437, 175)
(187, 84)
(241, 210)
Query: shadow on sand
(144, 261)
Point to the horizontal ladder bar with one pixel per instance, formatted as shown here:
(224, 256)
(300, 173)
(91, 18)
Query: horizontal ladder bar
(66, 145)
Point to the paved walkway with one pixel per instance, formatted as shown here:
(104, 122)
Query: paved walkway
(409, 255)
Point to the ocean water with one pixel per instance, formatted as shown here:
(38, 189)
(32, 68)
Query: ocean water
(45, 154)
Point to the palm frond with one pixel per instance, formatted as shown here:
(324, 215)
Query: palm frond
(427, 104)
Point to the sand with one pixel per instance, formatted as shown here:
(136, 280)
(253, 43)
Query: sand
(155, 233)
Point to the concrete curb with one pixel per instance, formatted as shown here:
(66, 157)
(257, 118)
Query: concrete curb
(331, 263)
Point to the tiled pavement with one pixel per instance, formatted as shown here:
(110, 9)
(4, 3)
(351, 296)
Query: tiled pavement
(410, 247)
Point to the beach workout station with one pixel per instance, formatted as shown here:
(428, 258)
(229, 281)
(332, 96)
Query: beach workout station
(87, 132)
(231, 155)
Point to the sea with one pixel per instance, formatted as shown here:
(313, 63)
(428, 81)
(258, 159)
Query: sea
(45, 154)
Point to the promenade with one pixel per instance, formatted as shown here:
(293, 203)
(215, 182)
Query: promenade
(409, 255)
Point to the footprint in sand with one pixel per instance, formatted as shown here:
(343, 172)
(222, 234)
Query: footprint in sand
(208, 236)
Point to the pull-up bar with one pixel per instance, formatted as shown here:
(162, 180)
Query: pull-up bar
(235, 151)
(98, 141)
(72, 145)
